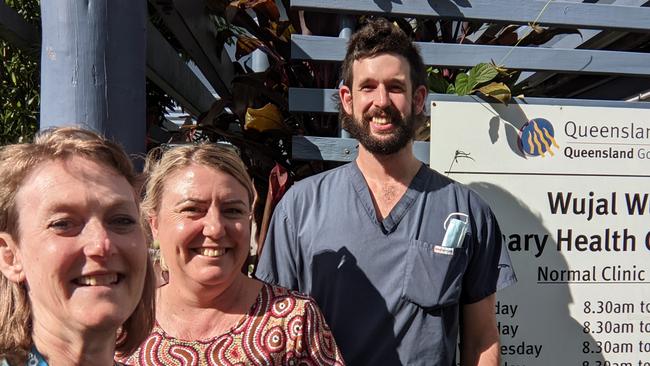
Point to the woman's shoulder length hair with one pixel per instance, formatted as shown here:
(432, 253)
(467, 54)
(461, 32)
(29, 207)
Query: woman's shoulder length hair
(16, 162)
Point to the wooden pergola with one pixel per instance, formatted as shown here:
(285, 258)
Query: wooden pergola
(96, 54)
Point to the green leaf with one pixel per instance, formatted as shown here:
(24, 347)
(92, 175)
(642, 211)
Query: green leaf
(462, 84)
(498, 91)
(482, 73)
(437, 82)
(451, 89)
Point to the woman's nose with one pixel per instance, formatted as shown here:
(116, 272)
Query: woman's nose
(213, 224)
(98, 240)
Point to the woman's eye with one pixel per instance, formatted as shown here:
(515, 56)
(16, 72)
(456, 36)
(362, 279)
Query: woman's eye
(123, 224)
(65, 227)
(124, 221)
(60, 225)
(191, 210)
(235, 213)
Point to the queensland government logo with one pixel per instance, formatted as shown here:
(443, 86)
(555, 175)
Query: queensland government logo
(537, 138)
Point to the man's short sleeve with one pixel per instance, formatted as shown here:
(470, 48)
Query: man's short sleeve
(489, 268)
(279, 261)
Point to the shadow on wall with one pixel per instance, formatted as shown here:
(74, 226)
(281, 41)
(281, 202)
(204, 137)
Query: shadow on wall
(513, 118)
(543, 316)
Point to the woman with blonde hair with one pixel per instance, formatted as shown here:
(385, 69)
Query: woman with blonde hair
(76, 283)
(198, 204)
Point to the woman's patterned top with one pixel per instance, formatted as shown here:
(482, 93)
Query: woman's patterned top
(34, 358)
(283, 327)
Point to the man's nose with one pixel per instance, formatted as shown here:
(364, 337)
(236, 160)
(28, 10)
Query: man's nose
(382, 99)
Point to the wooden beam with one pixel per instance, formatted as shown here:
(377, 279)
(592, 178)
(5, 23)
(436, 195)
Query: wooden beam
(311, 100)
(167, 69)
(340, 149)
(524, 58)
(324, 100)
(15, 30)
(617, 88)
(190, 24)
(556, 13)
(588, 39)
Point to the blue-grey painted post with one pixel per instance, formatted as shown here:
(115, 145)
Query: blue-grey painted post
(259, 59)
(346, 25)
(93, 67)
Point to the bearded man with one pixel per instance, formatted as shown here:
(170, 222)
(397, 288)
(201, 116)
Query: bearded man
(402, 260)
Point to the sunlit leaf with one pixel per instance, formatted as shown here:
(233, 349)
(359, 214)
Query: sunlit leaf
(462, 85)
(264, 119)
(482, 73)
(498, 91)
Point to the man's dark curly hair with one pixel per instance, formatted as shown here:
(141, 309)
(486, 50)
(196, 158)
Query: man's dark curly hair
(379, 36)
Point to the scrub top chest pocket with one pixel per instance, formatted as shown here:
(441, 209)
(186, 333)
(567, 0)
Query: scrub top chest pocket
(433, 274)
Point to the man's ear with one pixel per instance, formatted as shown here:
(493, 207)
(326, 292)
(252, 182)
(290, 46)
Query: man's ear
(419, 98)
(10, 264)
(345, 94)
(153, 225)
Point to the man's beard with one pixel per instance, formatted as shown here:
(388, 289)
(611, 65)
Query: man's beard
(390, 143)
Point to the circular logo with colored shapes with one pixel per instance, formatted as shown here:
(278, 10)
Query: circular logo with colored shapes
(537, 138)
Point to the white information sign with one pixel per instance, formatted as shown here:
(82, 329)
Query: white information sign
(570, 186)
